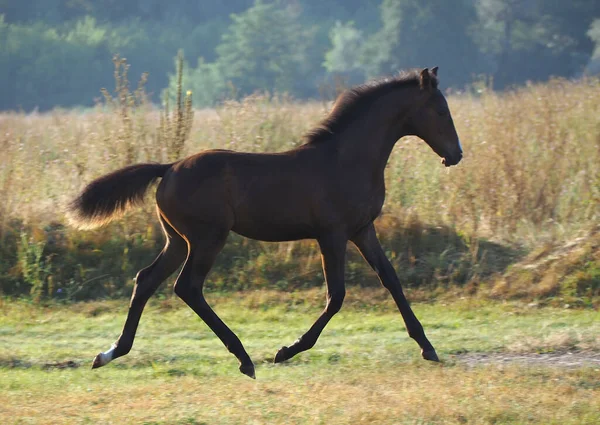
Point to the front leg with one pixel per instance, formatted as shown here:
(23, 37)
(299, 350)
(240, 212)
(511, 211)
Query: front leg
(333, 257)
(370, 248)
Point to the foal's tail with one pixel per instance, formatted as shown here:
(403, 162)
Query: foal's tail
(111, 195)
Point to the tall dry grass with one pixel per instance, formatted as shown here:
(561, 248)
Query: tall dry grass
(530, 173)
(530, 169)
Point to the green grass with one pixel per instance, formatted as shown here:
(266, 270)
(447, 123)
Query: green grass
(364, 369)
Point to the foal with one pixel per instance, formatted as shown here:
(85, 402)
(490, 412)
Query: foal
(329, 189)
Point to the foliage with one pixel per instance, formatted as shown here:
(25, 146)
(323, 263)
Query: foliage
(346, 41)
(56, 53)
(264, 49)
(205, 81)
(594, 33)
(46, 65)
(66, 65)
(35, 269)
(413, 34)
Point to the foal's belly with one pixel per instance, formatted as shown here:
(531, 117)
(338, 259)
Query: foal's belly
(274, 235)
(277, 227)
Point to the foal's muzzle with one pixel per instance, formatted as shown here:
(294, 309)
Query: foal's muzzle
(452, 159)
(455, 157)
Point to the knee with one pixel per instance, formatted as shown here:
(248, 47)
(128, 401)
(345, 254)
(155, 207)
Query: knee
(142, 275)
(188, 291)
(142, 289)
(180, 290)
(335, 301)
(389, 279)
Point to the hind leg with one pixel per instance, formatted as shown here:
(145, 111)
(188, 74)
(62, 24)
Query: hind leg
(147, 281)
(190, 283)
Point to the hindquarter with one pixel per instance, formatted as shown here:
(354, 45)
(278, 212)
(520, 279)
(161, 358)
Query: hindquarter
(195, 193)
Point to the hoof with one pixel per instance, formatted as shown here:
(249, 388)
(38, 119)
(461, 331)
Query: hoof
(105, 357)
(98, 362)
(430, 355)
(282, 355)
(248, 370)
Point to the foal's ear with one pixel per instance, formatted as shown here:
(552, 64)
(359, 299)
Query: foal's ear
(425, 80)
(434, 70)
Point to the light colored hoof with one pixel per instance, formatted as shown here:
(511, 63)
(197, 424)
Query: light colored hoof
(98, 362)
(103, 358)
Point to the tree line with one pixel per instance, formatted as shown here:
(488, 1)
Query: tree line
(57, 53)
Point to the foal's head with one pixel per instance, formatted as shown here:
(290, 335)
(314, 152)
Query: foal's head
(432, 122)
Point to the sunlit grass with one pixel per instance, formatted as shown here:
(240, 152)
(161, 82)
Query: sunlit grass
(364, 369)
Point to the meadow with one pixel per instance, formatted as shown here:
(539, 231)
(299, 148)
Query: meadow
(363, 370)
(500, 256)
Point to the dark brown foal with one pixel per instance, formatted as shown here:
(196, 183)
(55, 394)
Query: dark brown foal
(330, 189)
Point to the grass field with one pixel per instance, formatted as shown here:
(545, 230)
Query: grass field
(364, 369)
(501, 255)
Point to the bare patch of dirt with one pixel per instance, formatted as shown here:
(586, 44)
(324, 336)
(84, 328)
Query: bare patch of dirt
(69, 364)
(567, 359)
(14, 363)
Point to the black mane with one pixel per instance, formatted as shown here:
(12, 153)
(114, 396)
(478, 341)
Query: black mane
(350, 104)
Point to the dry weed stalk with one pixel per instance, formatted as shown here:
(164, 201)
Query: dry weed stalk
(175, 130)
(125, 105)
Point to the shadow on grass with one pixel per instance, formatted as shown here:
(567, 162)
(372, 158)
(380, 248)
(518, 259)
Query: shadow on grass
(59, 262)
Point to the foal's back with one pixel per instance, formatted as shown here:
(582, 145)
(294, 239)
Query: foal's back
(273, 197)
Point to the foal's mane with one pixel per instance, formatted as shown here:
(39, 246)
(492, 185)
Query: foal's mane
(351, 103)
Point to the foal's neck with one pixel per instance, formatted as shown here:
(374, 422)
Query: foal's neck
(366, 144)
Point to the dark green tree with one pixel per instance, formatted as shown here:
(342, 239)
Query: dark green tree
(413, 33)
(58, 52)
(206, 81)
(345, 54)
(534, 39)
(593, 67)
(265, 48)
